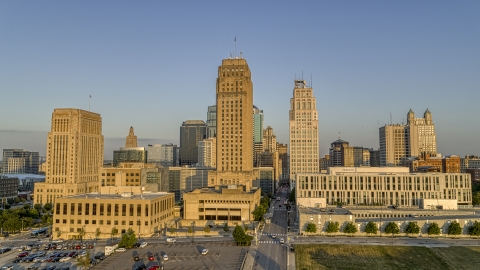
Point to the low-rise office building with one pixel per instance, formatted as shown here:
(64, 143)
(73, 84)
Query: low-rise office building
(8, 188)
(150, 176)
(221, 203)
(383, 186)
(119, 207)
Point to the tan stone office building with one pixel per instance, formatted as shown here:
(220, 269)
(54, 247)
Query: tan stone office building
(120, 207)
(133, 174)
(220, 204)
(383, 185)
(74, 155)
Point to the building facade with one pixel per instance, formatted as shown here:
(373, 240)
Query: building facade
(150, 176)
(283, 156)
(166, 155)
(384, 186)
(422, 136)
(130, 154)
(74, 155)
(304, 141)
(19, 161)
(131, 140)
(144, 212)
(232, 203)
(185, 179)
(257, 133)
(8, 188)
(207, 156)
(191, 133)
(212, 122)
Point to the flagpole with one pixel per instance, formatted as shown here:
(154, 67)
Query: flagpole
(89, 102)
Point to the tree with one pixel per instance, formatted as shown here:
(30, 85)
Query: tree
(292, 195)
(245, 227)
(114, 232)
(476, 198)
(128, 239)
(259, 212)
(12, 224)
(6, 206)
(47, 207)
(59, 233)
(350, 228)
(81, 233)
(84, 262)
(206, 229)
(311, 228)
(392, 228)
(454, 228)
(240, 237)
(16, 200)
(172, 229)
(38, 207)
(371, 228)
(26, 206)
(225, 227)
(412, 228)
(190, 230)
(433, 229)
(97, 233)
(474, 229)
(332, 227)
(10, 201)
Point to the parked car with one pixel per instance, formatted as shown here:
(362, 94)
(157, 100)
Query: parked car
(23, 254)
(165, 257)
(120, 250)
(100, 256)
(136, 245)
(151, 257)
(171, 240)
(144, 244)
(64, 259)
(204, 251)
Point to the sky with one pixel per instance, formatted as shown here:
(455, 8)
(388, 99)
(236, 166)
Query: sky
(153, 65)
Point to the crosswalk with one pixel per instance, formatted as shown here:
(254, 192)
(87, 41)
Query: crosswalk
(269, 242)
(270, 234)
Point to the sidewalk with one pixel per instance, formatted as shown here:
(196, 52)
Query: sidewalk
(250, 260)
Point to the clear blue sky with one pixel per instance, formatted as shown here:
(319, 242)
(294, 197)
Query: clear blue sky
(153, 65)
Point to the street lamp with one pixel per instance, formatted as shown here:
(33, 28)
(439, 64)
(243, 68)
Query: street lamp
(193, 232)
(138, 222)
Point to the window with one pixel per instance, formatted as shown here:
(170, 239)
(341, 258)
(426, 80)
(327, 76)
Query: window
(124, 210)
(131, 210)
(79, 221)
(139, 210)
(79, 209)
(115, 222)
(72, 221)
(94, 209)
(123, 222)
(101, 222)
(87, 209)
(108, 222)
(87, 221)
(64, 221)
(94, 222)
(116, 209)
(101, 209)
(57, 208)
(130, 223)
(72, 209)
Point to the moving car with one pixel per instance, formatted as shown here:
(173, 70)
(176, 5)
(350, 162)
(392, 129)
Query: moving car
(282, 241)
(144, 244)
(171, 240)
(274, 236)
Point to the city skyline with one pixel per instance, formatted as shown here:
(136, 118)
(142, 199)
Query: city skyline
(368, 63)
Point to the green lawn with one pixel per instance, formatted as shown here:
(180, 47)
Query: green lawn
(385, 257)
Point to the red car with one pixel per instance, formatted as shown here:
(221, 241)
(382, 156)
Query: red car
(153, 267)
(151, 257)
(23, 254)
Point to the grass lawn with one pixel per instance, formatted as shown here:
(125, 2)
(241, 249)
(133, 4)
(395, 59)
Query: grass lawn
(385, 257)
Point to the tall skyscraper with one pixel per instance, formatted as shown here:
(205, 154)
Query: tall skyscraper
(341, 154)
(207, 156)
(304, 141)
(19, 161)
(212, 121)
(131, 140)
(234, 124)
(191, 132)
(422, 134)
(269, 140)
(74, 155)
(399, 142)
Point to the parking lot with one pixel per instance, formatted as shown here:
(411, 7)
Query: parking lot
(221, 255)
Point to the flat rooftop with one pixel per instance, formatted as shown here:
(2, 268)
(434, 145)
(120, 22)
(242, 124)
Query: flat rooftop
(323, 211)
(433, 218)
(123, 196)
(233, 189)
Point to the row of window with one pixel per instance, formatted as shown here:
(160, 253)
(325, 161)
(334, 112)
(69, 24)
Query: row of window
(106, 209)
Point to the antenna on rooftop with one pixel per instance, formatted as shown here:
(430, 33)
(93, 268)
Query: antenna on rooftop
(311, 81)
(235, 51)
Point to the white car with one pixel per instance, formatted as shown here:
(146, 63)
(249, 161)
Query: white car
(274, 236)
(171, 240)
(64, 259)
(282, 241)
(204, 251)
(120, 250)
(143, 244)
(165, 257)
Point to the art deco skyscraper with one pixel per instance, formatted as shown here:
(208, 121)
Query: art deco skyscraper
(234, 124)
(131, 140)
(74, 155)
(304, 141)
(422, 134)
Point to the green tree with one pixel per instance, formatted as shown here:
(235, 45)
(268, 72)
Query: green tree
(10, 201)
(16, 200)
(84, 262)
(114, 232)
(412, 228)
(38, 207)
(259, 212)
(245, 227)
(47, 207)
(350, 228)
(206, 229)
(474, 229)
(371, 228)
(225, 227)
(190, 230)
(97, 233)
(476, 198)
(6, 206)
(332, 227)
(128, 239)
(454, 228)
(240, 237)
(26, 206)
(59, 233)
(81, 233)
(292, 195)
(12, 224)
(392, 228)
(311, 228)
(433, 229)
(172, 229)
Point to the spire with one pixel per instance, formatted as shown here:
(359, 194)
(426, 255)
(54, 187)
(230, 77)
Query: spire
(131, 140)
